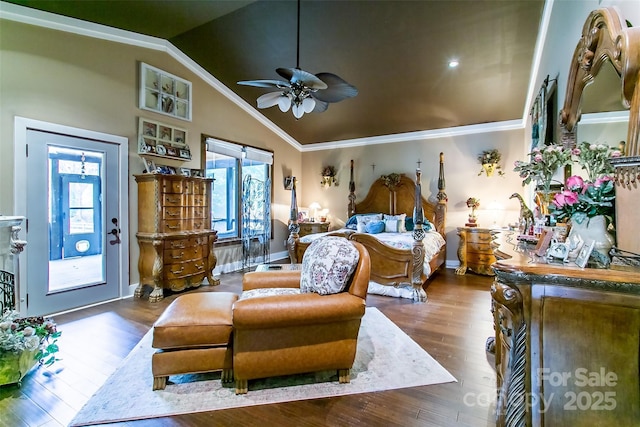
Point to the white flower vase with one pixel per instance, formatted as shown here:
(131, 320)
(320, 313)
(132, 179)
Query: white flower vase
(595, 229)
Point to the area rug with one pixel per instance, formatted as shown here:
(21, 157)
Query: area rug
(386, 359)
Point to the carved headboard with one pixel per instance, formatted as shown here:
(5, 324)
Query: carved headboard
(401, 199)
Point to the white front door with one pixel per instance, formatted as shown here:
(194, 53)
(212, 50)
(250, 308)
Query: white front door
(75, 238)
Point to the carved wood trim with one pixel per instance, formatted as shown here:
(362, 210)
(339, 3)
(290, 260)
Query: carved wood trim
(605, 37)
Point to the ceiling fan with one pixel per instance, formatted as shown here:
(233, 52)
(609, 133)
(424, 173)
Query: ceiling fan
(303, 92)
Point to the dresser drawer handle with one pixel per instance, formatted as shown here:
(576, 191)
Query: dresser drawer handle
(177, 246)
(178, 256)
(200, 267)
(178, 271)
(172, 200)
(197, 225)
(171, 213)
(173, 227)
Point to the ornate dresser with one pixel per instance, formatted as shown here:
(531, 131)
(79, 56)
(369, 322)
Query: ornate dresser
(567, 341)
(174, 233)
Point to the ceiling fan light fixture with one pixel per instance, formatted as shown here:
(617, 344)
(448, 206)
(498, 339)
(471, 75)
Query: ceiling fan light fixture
(308, 104)
(284, 103)
(303, 91)
(298, 110)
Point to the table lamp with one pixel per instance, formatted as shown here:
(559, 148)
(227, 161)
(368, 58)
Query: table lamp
(314, 209)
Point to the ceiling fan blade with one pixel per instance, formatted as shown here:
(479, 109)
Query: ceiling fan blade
(337, 90)
(265, 83)
(296, 75)
(321, 106)
(269, 99)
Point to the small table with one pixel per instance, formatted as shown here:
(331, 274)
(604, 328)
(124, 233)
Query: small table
(475, 250)
(279, 267)
(313, 228)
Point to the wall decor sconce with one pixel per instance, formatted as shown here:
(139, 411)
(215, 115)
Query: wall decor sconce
(329, 176)
(490, 161)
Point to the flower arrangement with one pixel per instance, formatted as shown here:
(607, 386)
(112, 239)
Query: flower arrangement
(582, 199)
(595, 159)
(490, 161)
(544, 163)
(329, 171)
(29, 334)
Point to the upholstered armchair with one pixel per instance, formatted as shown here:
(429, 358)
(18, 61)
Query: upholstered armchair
(281, 330)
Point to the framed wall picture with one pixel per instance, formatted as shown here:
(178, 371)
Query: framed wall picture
(164, 93)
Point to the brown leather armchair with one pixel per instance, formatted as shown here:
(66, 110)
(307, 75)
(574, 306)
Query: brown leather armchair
(292, 334)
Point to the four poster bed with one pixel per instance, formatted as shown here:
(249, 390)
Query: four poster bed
(403, 260)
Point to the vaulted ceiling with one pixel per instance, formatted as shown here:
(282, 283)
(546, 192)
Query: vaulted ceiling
(395, 52)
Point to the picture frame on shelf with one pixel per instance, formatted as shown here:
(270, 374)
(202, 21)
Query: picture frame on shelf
(164, 93)
(185, 171)
(303, 215)
(149, 165)
(199, 173)
(585, 253)
(543, 243)
(179, 136)
(165, 133)
(185, 154)
(172, 170)
(161, 150)
(149, 129)
(171, 151)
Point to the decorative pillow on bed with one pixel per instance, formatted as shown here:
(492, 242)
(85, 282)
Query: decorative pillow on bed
(374, 227)
(395, 223)
(327, 265)
(363, 219)
(408, 223)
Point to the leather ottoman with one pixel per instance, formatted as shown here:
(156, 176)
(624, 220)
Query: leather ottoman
(194, 335)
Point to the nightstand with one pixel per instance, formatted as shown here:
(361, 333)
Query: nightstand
(313, 227)
(475, 250)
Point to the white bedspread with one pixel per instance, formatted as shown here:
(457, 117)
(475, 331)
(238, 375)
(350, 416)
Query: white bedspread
(432, 241)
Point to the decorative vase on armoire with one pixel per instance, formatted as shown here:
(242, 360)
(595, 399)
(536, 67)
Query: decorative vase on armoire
(594, 228)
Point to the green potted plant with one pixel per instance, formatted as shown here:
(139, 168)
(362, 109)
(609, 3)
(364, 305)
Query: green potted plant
(23, 343)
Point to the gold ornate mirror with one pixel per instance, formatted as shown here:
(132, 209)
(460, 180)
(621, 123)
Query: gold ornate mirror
(606, 39)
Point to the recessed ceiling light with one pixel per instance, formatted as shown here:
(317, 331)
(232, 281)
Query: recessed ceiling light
(453, 63)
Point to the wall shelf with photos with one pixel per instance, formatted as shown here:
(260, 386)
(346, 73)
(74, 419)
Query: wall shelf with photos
(164, 93)
(161, 140)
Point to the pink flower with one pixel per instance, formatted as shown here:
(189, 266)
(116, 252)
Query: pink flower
(574, 182)
(576, 151)
(602, 180)
(538, 158)
(565, 198)
(616, 153)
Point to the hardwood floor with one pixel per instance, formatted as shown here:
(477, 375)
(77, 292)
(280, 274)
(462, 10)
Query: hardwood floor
(452, 326)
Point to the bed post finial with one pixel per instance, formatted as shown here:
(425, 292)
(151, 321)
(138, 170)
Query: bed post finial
(352, 195)
(294, 227)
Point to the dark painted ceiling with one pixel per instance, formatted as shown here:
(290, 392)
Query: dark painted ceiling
(394, 52)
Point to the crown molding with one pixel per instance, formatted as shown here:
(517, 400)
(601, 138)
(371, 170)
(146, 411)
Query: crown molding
(417, 136)
(13, 12)
(25, 15)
